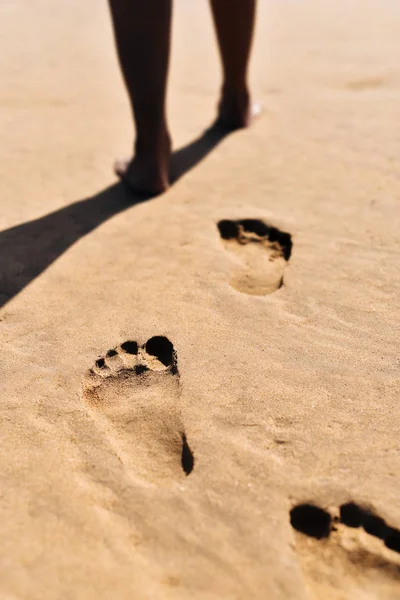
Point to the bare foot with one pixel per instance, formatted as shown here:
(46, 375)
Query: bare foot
(147, 173)
(235, 110)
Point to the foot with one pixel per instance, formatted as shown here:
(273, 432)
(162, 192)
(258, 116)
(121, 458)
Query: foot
(147, 173)
(235, 110)
(133, 393)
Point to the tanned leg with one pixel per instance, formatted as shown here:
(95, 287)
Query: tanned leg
(234, 25)
(142, 31)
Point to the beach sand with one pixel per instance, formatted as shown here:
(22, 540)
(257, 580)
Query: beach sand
(176, 478)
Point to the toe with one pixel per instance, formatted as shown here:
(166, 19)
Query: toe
(128, 354)
(114, 361)
(227, 229)
(130, 347)
(160, 353)
(101, 369)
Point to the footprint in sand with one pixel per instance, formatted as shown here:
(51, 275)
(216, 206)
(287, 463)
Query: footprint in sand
(134, 393)
(261, 254)
(339, 556)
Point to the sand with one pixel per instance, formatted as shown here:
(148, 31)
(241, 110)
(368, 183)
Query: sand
(175, 479)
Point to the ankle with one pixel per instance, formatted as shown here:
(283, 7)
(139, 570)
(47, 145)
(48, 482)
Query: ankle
(236, 94)
(234, 107)
(154, 143)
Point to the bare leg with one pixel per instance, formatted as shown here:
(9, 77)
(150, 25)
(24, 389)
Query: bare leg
(142, 34)
(234, 25)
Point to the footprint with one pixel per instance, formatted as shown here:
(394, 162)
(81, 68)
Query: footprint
(134, 393)
(261, 254)
(340, 557)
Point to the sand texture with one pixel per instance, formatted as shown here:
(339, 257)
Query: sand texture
(200, 392)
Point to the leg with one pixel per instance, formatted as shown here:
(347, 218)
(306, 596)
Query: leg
(142, 35)
(234, 25)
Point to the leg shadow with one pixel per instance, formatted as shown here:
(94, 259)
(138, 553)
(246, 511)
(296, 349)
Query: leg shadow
(28, 249)
(187, 157)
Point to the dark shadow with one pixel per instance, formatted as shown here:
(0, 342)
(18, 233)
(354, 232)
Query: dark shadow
(187, 458)
(27, 250)
(160, 347)
(311, 520)
(187, 157)
(353, 515)
(229, 230)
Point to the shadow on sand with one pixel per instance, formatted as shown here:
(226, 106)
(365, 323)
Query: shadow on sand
(26, 250)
